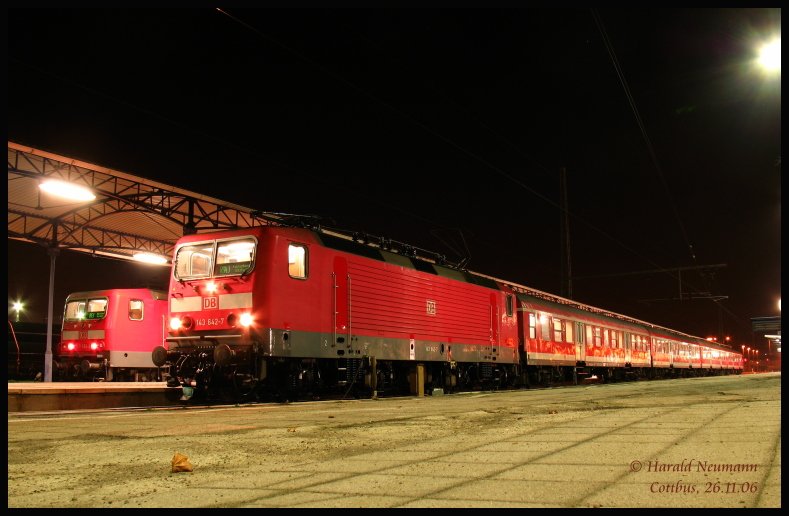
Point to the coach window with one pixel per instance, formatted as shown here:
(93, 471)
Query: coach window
(532, 326)
(135, 309)
(509, 305)
(614, 339)
(568, 331)
(597, 336)
(558, 330)
(546, 329)
(297, 261)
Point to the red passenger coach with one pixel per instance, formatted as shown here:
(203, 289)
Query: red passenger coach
(310, 311)
(569, 339)
(110, 334)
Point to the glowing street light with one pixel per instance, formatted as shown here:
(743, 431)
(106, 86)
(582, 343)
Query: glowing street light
(155, 259)
(67, 190)
(770, 56)
(18, 307)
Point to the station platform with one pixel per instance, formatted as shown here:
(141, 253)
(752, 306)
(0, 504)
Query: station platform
(50, 396)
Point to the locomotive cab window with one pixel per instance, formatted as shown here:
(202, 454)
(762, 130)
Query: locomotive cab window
(234, 257)
(297, 261)
(135, 309)
(193, 261)
(96, 308)
(75, 310)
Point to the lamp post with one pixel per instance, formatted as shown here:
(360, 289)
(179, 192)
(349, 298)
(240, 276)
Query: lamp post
(71, 192)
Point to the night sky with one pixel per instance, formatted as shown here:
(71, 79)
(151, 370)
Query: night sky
(443, 128)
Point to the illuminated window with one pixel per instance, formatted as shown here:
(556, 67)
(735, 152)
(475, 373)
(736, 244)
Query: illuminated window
(297, 261)
(96, 308)
(546, 329)
(532, 326)
(194, 261)
(614, 339)
(558, 330)
(135, 309)
(568, 327)
(597, 336)
(75, 310)
(234, 256)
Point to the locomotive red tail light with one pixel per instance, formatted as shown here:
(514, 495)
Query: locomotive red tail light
(231, 320)
(187, 322)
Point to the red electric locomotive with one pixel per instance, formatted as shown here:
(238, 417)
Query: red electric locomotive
(109, 334)
(293, 311)
(304, 310)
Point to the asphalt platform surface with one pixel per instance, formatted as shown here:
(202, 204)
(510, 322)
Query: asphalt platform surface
(700, 442)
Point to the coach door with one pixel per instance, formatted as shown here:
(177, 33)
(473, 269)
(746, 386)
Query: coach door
(580, 343)
(495, 321)
(341, 302)
(627, 336)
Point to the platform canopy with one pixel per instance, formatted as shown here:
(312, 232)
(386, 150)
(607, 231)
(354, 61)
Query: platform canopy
(127, 215)
(130, 214)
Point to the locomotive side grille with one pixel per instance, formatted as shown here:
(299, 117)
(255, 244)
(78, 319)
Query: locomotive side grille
(349, 370)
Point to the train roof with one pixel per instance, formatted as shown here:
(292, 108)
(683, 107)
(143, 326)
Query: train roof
(413, 257)
(155, 293)
(409, 256)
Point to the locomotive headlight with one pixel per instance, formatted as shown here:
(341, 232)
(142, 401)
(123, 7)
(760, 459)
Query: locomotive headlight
(175, 323)
(94, 346)
(210, 287)
(70, 346)
(246, 319)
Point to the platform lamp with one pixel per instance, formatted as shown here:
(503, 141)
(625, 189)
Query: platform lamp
(18, 307)
(71, 192)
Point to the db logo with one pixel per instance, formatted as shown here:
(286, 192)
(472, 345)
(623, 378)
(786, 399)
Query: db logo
(210, 303)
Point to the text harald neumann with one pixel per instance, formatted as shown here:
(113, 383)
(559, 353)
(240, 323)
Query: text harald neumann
(698, 465)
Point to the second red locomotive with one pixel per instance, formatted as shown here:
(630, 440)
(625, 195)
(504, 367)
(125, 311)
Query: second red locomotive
(109, 334)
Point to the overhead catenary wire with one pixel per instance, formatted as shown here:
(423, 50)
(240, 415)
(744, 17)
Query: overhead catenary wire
(433, 132)
(650, 148)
